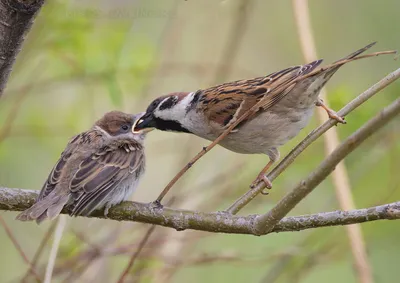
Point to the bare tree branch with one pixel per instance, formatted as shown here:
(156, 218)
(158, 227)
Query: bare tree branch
(18, 200)
(287, 203)
(16, 19)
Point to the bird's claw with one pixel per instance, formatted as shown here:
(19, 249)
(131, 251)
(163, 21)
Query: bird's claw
(333, 115)
(156, 204)
(261, 178)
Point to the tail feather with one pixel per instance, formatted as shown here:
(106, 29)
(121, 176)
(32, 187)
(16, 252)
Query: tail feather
(358, 52)
(55, 209)
(49, 207)
(328, 71)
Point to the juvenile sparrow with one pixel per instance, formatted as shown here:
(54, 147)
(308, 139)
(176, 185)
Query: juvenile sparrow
(286, 100)
(98, 168)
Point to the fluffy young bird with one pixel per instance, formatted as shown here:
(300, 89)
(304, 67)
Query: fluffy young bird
(98, 168)
(287, 100)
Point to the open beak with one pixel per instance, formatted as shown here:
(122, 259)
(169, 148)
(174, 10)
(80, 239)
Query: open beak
(142, 123)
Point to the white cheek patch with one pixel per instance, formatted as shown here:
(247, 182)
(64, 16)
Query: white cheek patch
(177, 112)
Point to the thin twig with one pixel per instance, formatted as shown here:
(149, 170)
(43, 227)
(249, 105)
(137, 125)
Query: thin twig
(136, 253)
(62, 220)
(40, 249)
(19, 249)
(287, 203)
(315, 134)
(340, 176)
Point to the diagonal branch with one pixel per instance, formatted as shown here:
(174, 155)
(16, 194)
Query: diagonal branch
(315, 134)
(306, 186)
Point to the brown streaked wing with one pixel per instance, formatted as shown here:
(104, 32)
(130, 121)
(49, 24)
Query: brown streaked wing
(101, 173)
(225, 103)
(282, 86)
(54, 177)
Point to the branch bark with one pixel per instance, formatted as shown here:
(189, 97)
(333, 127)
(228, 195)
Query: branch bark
(287, 203)
(16, 18)
(18, 200)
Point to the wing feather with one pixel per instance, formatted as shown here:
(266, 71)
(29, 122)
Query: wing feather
(223, 108)
(55, 175)
(100, 174)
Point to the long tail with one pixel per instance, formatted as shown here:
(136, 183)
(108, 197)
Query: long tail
(47, 208)
(329, 70)
(356, 53)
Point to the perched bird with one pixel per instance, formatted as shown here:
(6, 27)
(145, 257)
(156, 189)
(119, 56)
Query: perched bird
(286, 100)
(98, 168)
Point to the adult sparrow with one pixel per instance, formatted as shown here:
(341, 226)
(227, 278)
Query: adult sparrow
(98, 168)
(286, 100)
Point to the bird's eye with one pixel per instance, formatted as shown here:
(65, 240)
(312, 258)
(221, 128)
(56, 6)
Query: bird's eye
(125, 127)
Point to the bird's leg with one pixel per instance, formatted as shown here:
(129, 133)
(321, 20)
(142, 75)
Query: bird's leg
(262, 178)
(107, 207)
(331, 113)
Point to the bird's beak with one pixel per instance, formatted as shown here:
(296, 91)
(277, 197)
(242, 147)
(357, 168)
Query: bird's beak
(143, 123)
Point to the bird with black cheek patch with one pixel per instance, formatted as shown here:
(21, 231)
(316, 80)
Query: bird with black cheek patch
(286, 100)
(99, 168)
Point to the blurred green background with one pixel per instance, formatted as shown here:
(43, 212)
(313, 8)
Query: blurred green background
(83, 59)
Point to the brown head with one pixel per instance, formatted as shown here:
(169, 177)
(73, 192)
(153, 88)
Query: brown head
(120, 125)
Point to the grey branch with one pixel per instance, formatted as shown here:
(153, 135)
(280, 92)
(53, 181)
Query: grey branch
(288, 202)
(18, 200)
(16, 19)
